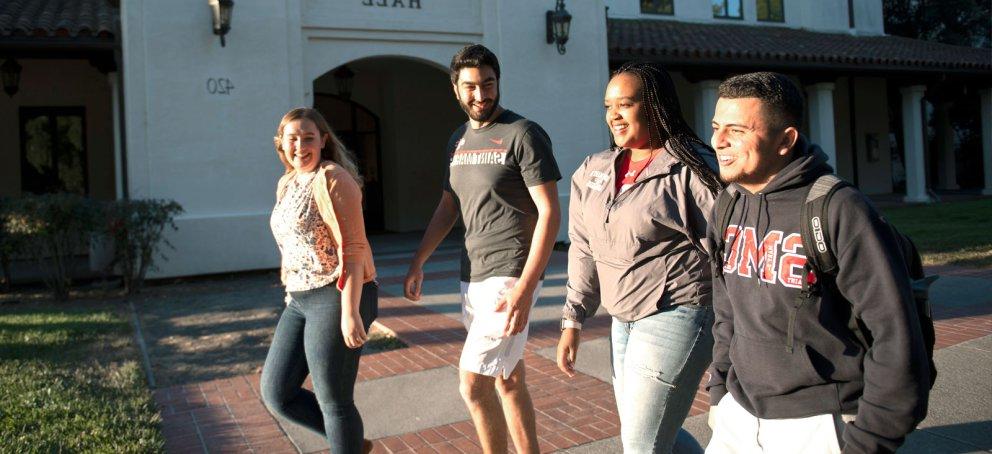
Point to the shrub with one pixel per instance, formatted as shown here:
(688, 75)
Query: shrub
(11, 242)
(136, 229)
(54, 228)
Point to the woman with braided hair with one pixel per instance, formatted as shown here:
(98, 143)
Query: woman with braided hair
(637, 224)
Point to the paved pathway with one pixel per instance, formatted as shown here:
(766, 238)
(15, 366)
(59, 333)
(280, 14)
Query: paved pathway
(409, 397)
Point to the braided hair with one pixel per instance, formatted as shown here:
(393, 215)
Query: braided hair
(665, 122)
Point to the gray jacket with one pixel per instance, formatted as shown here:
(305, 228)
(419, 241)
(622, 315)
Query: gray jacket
(643, 249)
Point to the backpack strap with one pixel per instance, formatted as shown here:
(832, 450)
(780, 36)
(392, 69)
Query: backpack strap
(725, 202)
(814, 224)
(821, 263)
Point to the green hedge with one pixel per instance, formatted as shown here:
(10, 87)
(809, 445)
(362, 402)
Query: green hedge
(53, 228)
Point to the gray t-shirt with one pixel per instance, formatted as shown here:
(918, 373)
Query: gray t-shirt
(489, 171)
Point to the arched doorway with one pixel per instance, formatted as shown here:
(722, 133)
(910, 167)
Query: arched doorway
(397, 117)
(358, 128)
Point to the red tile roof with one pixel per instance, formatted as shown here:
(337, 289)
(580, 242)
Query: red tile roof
(59, 18)
(769, 46)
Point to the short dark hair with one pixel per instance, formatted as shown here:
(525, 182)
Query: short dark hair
(781, 97)
(473, 56)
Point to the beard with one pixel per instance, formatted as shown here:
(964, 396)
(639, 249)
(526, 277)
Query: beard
(481, 115)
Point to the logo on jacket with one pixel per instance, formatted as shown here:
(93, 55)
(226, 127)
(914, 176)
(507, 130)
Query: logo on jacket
(497, 141)
(775, 260)
(597, 180)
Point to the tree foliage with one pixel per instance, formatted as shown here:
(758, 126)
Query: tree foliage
(957, 22)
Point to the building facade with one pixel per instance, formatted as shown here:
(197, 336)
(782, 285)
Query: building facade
(143, 101)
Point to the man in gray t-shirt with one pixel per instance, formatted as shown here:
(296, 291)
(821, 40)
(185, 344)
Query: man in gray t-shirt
(501, 179)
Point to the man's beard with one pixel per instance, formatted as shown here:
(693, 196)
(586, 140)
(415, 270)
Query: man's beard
(485, 114)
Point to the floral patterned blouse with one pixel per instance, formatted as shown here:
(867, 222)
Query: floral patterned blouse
(309, 254)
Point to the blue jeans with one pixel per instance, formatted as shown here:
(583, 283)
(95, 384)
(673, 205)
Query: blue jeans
(658, 362)
(308, 340)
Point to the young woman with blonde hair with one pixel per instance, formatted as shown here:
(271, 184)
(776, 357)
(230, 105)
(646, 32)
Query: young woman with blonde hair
(331, 293)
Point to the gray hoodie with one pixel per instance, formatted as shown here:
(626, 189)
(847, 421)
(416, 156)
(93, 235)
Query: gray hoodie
(827, 371)
(641, 250)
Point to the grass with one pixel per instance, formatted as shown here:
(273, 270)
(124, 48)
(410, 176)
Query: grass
(69, 382)
(948, 233)
(381, 342)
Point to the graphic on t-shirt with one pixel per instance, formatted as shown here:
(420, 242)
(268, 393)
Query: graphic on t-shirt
(477, 157)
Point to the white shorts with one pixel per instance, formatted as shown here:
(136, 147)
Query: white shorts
(486, 351)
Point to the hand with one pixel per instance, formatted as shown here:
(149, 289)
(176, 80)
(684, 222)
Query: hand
(516, 302)
(413, 282)
(568, 350)
(353, 330)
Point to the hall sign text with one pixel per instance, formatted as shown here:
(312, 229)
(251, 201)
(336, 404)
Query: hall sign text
(412, 4)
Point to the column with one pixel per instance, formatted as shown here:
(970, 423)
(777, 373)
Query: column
(821, 119)
(912, 132)
(987, 139)
(947, 172)
(706, 107)
(115, 107)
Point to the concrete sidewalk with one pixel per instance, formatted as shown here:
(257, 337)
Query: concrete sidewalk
(409, 397)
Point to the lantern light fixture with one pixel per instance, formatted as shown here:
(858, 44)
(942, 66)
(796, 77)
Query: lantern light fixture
(558, 22)
(10, 73)
(221, 11)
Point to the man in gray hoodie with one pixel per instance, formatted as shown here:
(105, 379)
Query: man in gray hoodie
(788, 374)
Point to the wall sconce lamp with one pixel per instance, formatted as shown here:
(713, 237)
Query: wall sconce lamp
(221, 10)
(10, 72)
(558, 22)
(344, 77)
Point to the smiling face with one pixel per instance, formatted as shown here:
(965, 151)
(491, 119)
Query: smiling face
(477, 90)
(301, 143)
(749, 149)
(625, 112)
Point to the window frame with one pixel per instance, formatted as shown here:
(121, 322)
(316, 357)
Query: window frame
(671, 4)
(25, 113)
(768, 4)
(726, 9)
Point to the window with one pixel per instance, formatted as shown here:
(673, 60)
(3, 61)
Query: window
(771, 10)
(53, 150)
(727, 9)
(658, 6)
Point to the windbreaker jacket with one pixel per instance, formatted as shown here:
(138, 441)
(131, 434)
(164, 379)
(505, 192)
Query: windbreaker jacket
(339, 201)
(827, 370)
(641, 250)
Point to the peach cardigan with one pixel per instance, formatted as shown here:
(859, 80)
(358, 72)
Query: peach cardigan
(339, 201)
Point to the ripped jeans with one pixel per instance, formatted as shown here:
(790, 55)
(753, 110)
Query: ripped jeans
(658, 362)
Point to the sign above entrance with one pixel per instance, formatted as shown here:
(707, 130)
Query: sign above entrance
(404, 22)
(411, 4)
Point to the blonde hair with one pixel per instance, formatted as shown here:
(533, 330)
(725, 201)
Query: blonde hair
(333, 150)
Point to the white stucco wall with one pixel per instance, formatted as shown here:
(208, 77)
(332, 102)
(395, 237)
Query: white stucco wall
(212, 152)
(60, 83)
(817, 15)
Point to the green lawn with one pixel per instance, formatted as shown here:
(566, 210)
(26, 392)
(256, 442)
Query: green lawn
(948, 233)
(70, 381)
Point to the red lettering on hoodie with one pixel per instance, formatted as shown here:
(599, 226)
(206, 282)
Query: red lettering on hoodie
(730, 262)
(790, 266)
(746, 257)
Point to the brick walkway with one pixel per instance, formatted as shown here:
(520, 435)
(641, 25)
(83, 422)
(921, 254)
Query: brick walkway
(228, 416)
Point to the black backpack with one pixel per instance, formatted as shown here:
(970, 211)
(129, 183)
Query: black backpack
(822, 262)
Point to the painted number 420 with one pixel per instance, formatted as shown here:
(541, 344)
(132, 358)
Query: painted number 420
(219, 86)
